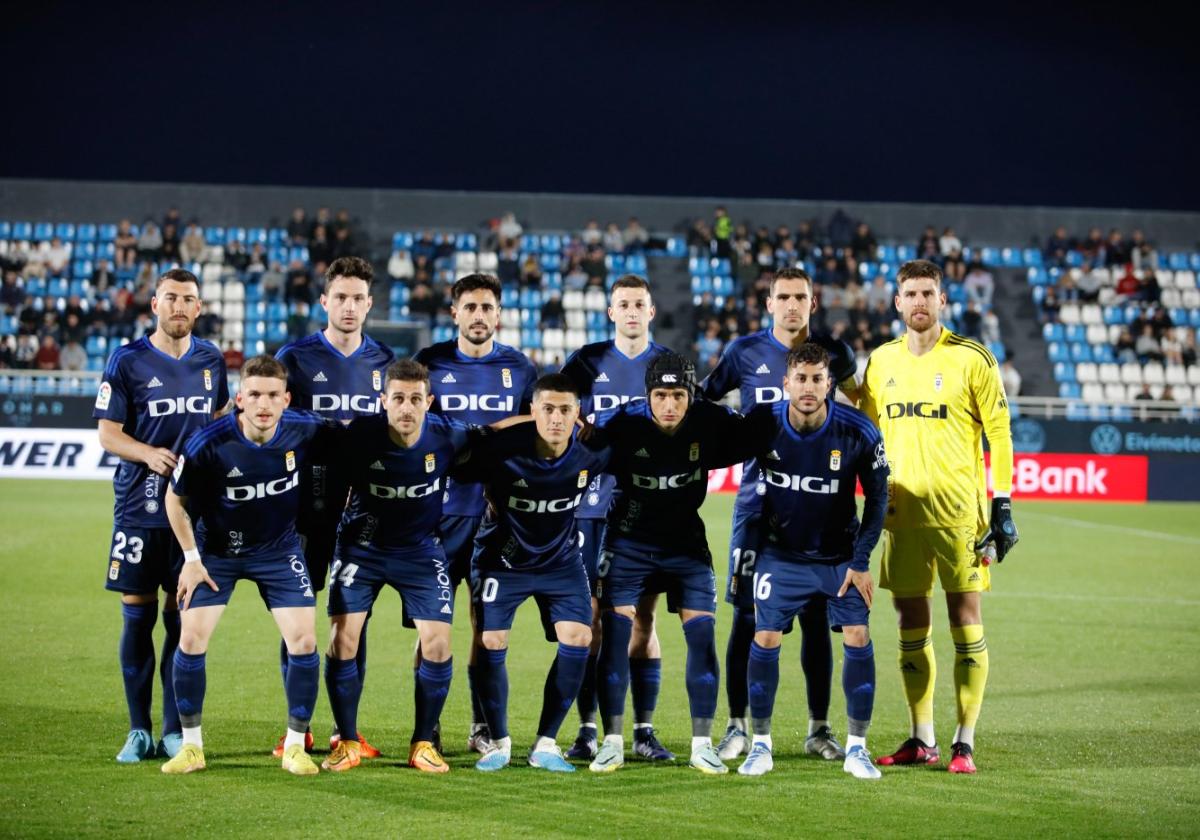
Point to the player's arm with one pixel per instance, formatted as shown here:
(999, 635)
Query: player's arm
(114, 439)
(992, 404)
(871, 470)
(723, 378)
(866, 395)
(193, 572)
(843, 367)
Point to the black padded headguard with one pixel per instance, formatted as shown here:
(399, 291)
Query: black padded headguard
(670, 370)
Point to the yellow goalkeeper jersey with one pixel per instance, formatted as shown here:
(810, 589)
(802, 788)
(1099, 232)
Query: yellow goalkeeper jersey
(933, 410)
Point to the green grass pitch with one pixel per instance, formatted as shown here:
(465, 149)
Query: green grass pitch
(1089, 728)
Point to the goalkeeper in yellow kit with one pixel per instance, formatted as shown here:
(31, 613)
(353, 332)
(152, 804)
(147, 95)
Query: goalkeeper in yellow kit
(933, 394)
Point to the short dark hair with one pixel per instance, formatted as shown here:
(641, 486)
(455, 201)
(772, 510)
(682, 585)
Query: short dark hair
(475, 283)
(353, 267)
(178, 275)
(914, 269)
(264, 365)
(406, 370)
(558, 382)
(631, 281)
(790, 274)
(808, 353)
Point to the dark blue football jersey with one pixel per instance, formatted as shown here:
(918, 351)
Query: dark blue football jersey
(158, 400)
(807, 486)
(530, 523)
(478, 392)
(663, 479)
(396, 492)
(755, 364)
(245, 497)
(606, 378)
(327, 383)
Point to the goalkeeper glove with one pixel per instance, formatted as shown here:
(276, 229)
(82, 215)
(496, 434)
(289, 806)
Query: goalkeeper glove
(1002, 531)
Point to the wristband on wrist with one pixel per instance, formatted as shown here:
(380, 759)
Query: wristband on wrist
(191, 555)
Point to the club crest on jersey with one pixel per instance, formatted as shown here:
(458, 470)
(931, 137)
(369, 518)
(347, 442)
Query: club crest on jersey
(114, 570)
(430, 463)
(583, 478)
(289, 460)
(207, 379)
(694, 452)
(376, 380)
(835, 459)
(937, 382)
(506, 379)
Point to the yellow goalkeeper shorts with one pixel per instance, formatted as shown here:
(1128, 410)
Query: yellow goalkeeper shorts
(910, 555)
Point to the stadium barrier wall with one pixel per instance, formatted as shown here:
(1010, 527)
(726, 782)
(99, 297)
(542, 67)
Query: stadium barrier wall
(51, 436)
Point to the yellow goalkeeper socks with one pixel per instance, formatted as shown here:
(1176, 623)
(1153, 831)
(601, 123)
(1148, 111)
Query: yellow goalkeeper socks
(970, 678)
(918, 670)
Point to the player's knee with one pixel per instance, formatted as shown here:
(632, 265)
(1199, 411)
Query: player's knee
(493, 640)
(856, 635)
(435, 646)
(573, 633)
(768, 638)
(193, 641)
(912, 613)
(302, 644)
(141, 598)
(964, 608)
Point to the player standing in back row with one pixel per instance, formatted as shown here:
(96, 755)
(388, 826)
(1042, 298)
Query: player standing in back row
(478, 381)
(337, 373)
(156, 391)
(609, 374)
(933, 394)
(755, 364)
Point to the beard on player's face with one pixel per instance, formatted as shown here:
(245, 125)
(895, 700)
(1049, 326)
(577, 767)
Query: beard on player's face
(177, 325)
(478, 333)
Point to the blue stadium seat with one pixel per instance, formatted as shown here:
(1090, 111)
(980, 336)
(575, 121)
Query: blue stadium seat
(402, 241)
(1194, 261)
(85, 233)
(235, 235)
(254, 292)
(1069, 390)
(1037, 276)
(1057, 351)
(1099, 412)
(868, 270)
(82, 268)
(45, 385)
(990, 256)
(1177, 261)
(531, 339)
(57, 287)
(531, 298)
(277, 332)
(1032, 257)
(1077, 411)
(65, 231)
(22, 231)
(552, 281)
(1053, 332)
(636, 264)
(886, 253)
(466, 242)
(701, 284)
(106, 251)
(35, 286)
(214, 235)
(509, 296)
(1076, 333)
(80, 286)
(95, 364)
(1179, 316)
(298, 253)
(107, 233)
(699, 266)
(255, 331)
(256, 236)
(1074, 259)
(277, 311)
(1103, 354)
(615, 262)
(5, 230)
(676, 247)
(84, 250)
(597, 320)
(1011, 258)
(97, 345)
(396, 312)
(43, 231)
(724, 285)
(1081, 352)
(904, 253)
(529, 242)
(1122, 414)
(8, 324)
(399, 294)
(530, 318)
(277, 236)
(1113, 315)
(1064, 372)
(552, 243)
(1194, 319)
(998, 351)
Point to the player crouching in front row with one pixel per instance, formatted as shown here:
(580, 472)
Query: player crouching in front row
(240, 476)
(813, 546)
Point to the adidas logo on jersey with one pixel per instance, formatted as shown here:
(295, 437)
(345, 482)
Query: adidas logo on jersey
(520, 482)
(378, 465)
(154, 383)
(445, 610)
(642, 453)
(603, 377)
(449, 378)
(320, 377)
(891, 383)
(772, 455)
(234, 473)
(763, 369)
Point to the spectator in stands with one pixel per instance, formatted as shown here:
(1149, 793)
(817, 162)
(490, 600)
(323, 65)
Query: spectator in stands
(927, 245)
(149, 243)
(324, 219)
(1142, 253)
(840, 229)
(1127, 287)
(786, 254)
(11, 293)
(423, 246)
(1148, 347)
(592, 234)
(400, 266)
(972, 321)
(699, 239)
(8, 351)
(74, 328)
(979, 284)
(100, 318)
(764, 258)
(1148, 288)
(722, 232)
(951, 249)
(121, 325)
(989, 328)
(30, 317)
(510, 229)
(32, 262)
(47, 356)
(298, 227)
(635, 236)
(441, 250)
(1067, 291)
(234, 358)
(1050, 306)
(1161, 322)
(172, 217)
(343, 246)
(1125, 347)
(1057, 247)
(531, 272)
(1011, 377)
(708, 347)
(422, 303)
(575, 279)
(1167, 395)
(1172, 348)
(299, 285)
(1144, 394)
(829, 274)
(320, 249)
(27, 350)
(1092, 248)
(208, 324)
(73, 356)
(864, 244)
(169, 252)
(614, 242)
(257, 265)
(342, 221)
(593, 264)
(143, 325)
(297, 322)
(236, 257)
(57, 257)
(193, 244)
(879, 314)
(878, 293)
(553, 313)
(1187, 346)
(833, 302)
(1088, 284)
(1116, 250)
(806, 238)
(125, 245)
(273, 281)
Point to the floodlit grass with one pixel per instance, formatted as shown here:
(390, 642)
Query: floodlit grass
(1089, 726)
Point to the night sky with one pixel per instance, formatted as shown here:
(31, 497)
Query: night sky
(1071, 105)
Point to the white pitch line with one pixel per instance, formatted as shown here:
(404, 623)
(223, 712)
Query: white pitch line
(1075, 596)
(1138, 532)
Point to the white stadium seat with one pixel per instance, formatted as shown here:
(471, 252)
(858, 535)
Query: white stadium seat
(1131, 373)
(554, 340)
(572, 300)
(233, 331)
(1086, 372)
(488, 261)
(1185, 280)
(1092, 314)
(235, 311)
(510, 318)
(210, 289)
(1109, 372)
(595, 300)
(1069, 314)
(466, 260)
(1097, 334)
(234, 291)
(1114, 393)
(1153, 373)
(1193, 376)
(576, 319)
(1093, 393)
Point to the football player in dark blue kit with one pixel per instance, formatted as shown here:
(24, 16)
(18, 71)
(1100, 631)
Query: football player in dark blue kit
(609, 374)
(754, 364)
(662, 450)
(337, 373)
(535, 475)
(476, 380)
(155, 392)
(397, 469)
(814, 549)
(240, 478)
